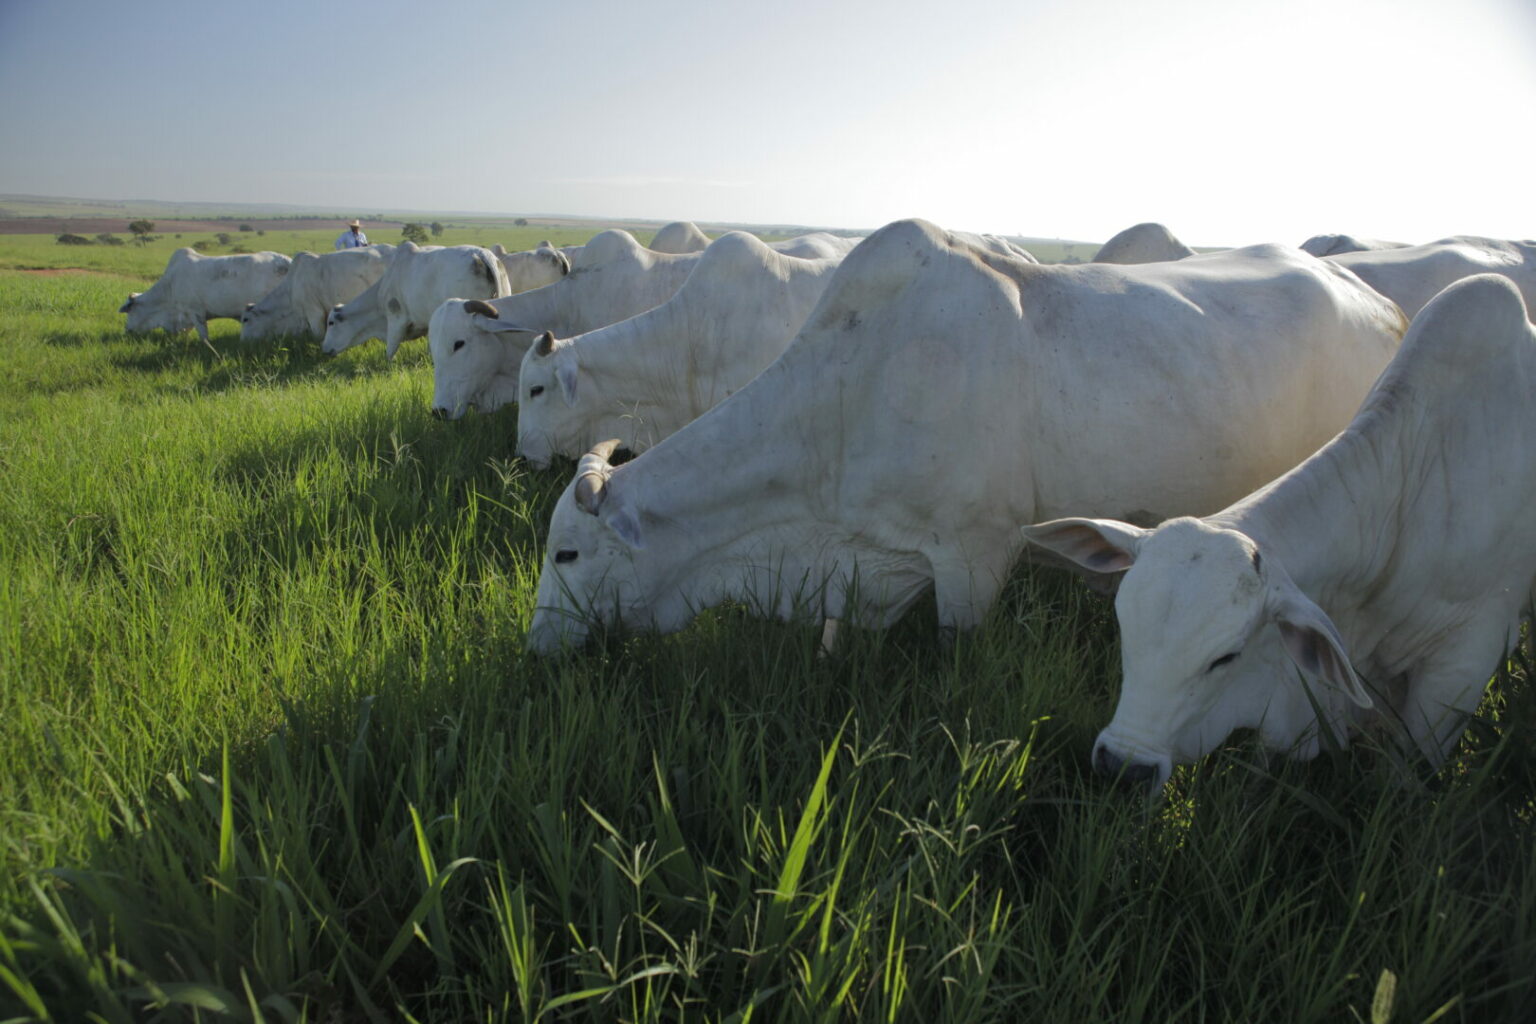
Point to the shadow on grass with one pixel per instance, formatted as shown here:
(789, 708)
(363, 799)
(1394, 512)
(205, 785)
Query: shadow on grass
(227, 363)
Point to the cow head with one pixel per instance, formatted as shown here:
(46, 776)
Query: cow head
(475, 357)
(1209, 633)
(549, 421)
(589, 573)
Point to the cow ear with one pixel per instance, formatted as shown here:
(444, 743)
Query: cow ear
(1099, 545)
(565, 373)
(1312, 641)
(499, 250)
(626, 525)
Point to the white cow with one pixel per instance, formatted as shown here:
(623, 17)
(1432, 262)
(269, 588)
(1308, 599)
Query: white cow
(680, 236)
(817, 245)
(533, 268)
(196, 288)
(1333, 245)
(999, 244)
(1391, 568)
(941, 394)
(477, 347)
(417, 282)
(314, 284)
(642, 379)
(1143, 243)
(1412, 275)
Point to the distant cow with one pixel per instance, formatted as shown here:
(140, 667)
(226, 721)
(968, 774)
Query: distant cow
(1379, 583)
(1412, 275)
(1333, 245)
(301, 303)
(1143, 243)
(533, 268)
(643, 378)
(680, 236)
(940, 395)
(195, 289)
(417, 282)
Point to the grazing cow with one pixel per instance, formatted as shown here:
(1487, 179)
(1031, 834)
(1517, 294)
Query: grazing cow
(1380, 582)
(477, 347)
(1412, 275)
(642, 379)
(1143, 243)
(939, 395)
(417, 282)
(195, 289)
(533, 268)
(1333, 245)
(314, 284)
(680, 236)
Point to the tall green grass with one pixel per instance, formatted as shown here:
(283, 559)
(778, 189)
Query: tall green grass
(271, 750)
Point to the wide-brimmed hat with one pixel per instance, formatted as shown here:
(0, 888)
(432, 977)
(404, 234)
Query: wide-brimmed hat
(354, 224)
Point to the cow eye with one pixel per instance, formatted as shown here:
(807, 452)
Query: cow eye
(1225, 659)
(458, 344)
(561, 557)
(536, 391)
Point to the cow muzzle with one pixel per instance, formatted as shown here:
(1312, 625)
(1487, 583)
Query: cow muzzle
(1138, 771)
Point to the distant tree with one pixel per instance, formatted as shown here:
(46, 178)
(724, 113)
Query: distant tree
(107, 238)
(68, 239)
(261, 233)
(178, 234)
(521, 222)
(437, 229)
(246, 227)
(413, 232)
(239, 249)
(141, 230)
(223, 237)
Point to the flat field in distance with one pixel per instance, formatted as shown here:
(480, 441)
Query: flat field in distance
(271, 749)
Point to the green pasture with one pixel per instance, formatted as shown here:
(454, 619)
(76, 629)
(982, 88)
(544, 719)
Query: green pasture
(271, 750)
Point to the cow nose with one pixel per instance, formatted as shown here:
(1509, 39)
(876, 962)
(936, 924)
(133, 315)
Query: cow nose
(1107, 762)
(439, 412)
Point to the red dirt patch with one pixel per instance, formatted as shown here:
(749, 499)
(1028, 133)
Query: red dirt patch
(90, 226)
(55, 271)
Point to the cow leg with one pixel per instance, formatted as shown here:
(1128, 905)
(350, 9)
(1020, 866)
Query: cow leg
(963, 593)
(1445, 691)
(828, 638)
(394, 334)
(202, 332)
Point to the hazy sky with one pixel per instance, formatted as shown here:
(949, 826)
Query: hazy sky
(1231, 121)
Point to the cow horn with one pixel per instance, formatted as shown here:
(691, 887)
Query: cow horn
(481, 308)
(592, 476)
(545, 345)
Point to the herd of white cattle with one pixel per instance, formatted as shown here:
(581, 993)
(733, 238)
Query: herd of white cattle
(1318, 513)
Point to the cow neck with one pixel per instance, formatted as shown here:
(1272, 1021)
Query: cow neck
(737, 469)
(644, 370)
(536, 310)
(1332, 521)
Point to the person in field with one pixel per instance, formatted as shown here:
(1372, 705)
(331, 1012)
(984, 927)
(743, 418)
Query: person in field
(353, 237)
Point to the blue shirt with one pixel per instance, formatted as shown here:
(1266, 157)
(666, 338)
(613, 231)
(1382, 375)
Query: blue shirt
(348, 240)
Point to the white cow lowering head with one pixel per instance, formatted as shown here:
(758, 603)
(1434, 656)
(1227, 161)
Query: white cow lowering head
(475, 357)
(589, 574)
(145, 314)
(1211, 637)
(548, 420)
